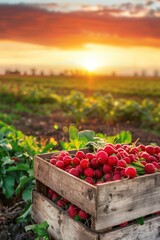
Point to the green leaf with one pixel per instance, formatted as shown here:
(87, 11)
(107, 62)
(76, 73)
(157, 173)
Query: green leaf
(140, 220)
(124, 137)
(8, 186)
(73, 133)
(6, 161)
(5, 145)
(23, 181)
(25, 213)
(87, 134)
(19, 167)
(27, 193)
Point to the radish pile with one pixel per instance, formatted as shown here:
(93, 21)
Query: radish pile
(113, 162)
(72, 210)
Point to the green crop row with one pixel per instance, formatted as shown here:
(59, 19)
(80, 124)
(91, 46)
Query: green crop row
(143, 113)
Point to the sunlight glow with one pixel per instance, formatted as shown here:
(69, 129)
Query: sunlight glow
(90, 64)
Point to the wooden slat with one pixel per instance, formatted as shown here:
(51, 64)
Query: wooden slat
(61, 226)
(149, 231)
(74, 189)
(126, 200)
(40, 187)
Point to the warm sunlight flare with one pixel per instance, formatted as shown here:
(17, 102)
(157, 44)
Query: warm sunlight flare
(90, 64)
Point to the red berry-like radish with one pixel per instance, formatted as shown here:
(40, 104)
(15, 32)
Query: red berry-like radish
(130, 172)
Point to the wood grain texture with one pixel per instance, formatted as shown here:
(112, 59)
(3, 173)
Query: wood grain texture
(72, 188)
(149, 231)
(61, 226)
(126, 200)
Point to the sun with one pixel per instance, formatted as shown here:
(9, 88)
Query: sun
(90, 64)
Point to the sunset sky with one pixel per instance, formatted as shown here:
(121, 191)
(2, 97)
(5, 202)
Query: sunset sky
(96, 35)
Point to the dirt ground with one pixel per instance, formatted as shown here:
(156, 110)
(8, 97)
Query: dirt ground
(43, 126)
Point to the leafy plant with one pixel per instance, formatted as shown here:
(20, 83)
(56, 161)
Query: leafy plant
(41, 230)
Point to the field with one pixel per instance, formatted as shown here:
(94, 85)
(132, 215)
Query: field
(38, 114)
(104, 104)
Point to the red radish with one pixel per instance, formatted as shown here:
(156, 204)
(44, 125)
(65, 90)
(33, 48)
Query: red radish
(149, 168)
(132, 157)
(61, 204)
(53, 161)
(63, 154)
(157, 213)
(50, 193)
(89, 156)
(130, 172)
(67, 160)
(117, 171)
(74, 172)
(152, 159)
(83, 215)
(118, 145)
(89, 180)
(84, 163)
(89, 172)
(75, 161)
(60, 164)
(145, 155)
(109, 149)
(150, 149)
(55, 196)
(157, 149)
(80, 154)
(134, 150)
(80, 169)
(112, 160)
(107, 176)
(67, 168)
(123, 224)
(73, 211)
(127, 160)
(107, 168)
(121, 164)
(122, 173)
(155, 164)
(117, 177)
(141, 147)
(98, 173)
(94, 163)
(102, 157)
(65, 200)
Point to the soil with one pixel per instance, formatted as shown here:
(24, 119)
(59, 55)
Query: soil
(9, 228)
(43, 127)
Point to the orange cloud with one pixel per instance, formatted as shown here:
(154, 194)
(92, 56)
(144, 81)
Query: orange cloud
(75, 29)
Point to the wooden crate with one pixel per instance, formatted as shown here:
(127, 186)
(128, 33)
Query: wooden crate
(109, 204)
(62, 227)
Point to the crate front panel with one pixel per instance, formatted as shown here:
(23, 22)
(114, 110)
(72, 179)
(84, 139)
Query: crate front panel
(127, 200)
